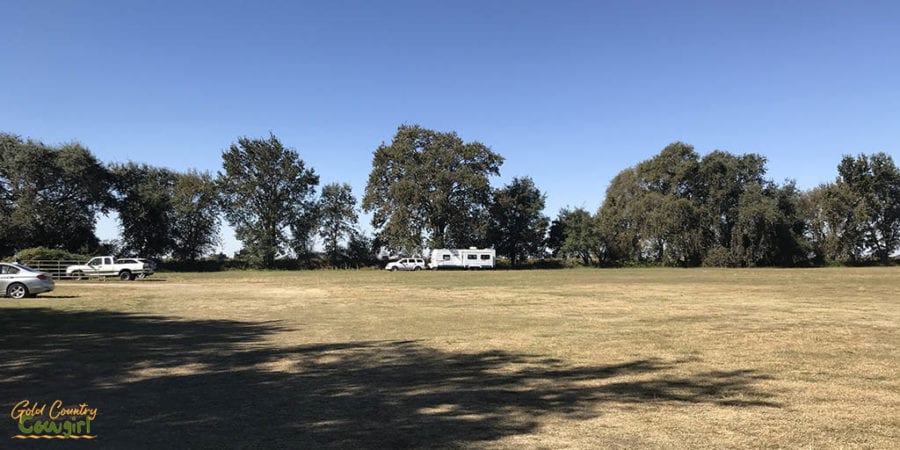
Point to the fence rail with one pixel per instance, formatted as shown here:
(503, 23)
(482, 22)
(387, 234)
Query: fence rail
(55, 267)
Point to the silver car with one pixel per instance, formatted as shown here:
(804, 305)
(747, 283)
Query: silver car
(18, 281)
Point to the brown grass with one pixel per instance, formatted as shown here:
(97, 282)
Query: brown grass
(506, 359)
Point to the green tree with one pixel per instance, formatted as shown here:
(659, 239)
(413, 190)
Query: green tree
(668, 221)
(769, 228)
(618, 219)
(835, 219)
(650, 214)
(673, 172)
(361, 250)
(685, 239)
(338, 217)
(265, 188)
(50, 196)
(144, 203)
(195, 215)
(430, 185)
(303, 229)
(556, 234)
(517, 226)
(674, 208)
(580, 234)
(722, 178)
(872, 184)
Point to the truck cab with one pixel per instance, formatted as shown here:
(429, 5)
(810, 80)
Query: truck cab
(101, 265)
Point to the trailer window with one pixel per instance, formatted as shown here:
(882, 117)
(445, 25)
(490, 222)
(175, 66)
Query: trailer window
(485, 257)
(471, 257)
(446, 257)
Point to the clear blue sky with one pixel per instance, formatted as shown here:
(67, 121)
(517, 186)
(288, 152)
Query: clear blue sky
(569, 92)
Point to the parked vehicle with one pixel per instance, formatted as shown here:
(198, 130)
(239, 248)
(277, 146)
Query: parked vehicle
(146, 273)
(407, 264)
(471, 258)
(19, 281)
(107, 266)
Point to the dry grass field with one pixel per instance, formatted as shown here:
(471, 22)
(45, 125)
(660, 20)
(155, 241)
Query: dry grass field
(647, 358)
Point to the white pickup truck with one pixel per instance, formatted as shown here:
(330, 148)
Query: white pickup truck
(108, 266)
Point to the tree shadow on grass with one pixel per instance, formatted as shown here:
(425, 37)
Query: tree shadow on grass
(165, 383)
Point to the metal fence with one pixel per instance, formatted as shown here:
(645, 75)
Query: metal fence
(55, 267)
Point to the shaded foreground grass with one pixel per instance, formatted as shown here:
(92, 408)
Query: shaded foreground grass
(576, 358)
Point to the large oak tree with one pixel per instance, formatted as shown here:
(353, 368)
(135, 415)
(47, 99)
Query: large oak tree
(265, 187)
(430, 186)
(195, 222)
(50, 195)
(144, 203)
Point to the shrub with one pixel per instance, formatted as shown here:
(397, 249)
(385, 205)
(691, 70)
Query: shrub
(52, 254)
(544, 263)
(718, 256)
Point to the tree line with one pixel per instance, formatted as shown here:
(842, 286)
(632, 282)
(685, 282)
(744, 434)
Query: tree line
(50, 197)
(430, 189)
(679, 209)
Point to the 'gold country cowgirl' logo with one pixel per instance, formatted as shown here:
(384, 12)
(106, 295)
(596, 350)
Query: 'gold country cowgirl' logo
(53, 420)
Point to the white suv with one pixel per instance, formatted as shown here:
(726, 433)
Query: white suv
(407, 264)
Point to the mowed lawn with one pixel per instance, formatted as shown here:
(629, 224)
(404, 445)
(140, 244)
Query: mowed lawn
(589, 358)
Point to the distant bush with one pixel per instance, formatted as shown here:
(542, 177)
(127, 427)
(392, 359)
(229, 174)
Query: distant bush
(718, 256)
(544, 263)
(202, 265)
(44, 253)
(219, 264)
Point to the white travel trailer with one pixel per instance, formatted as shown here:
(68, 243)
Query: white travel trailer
(471, 258)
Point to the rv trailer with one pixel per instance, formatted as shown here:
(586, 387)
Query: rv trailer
(471, 258)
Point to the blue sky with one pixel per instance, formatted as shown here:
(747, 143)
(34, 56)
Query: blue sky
(570, 92)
